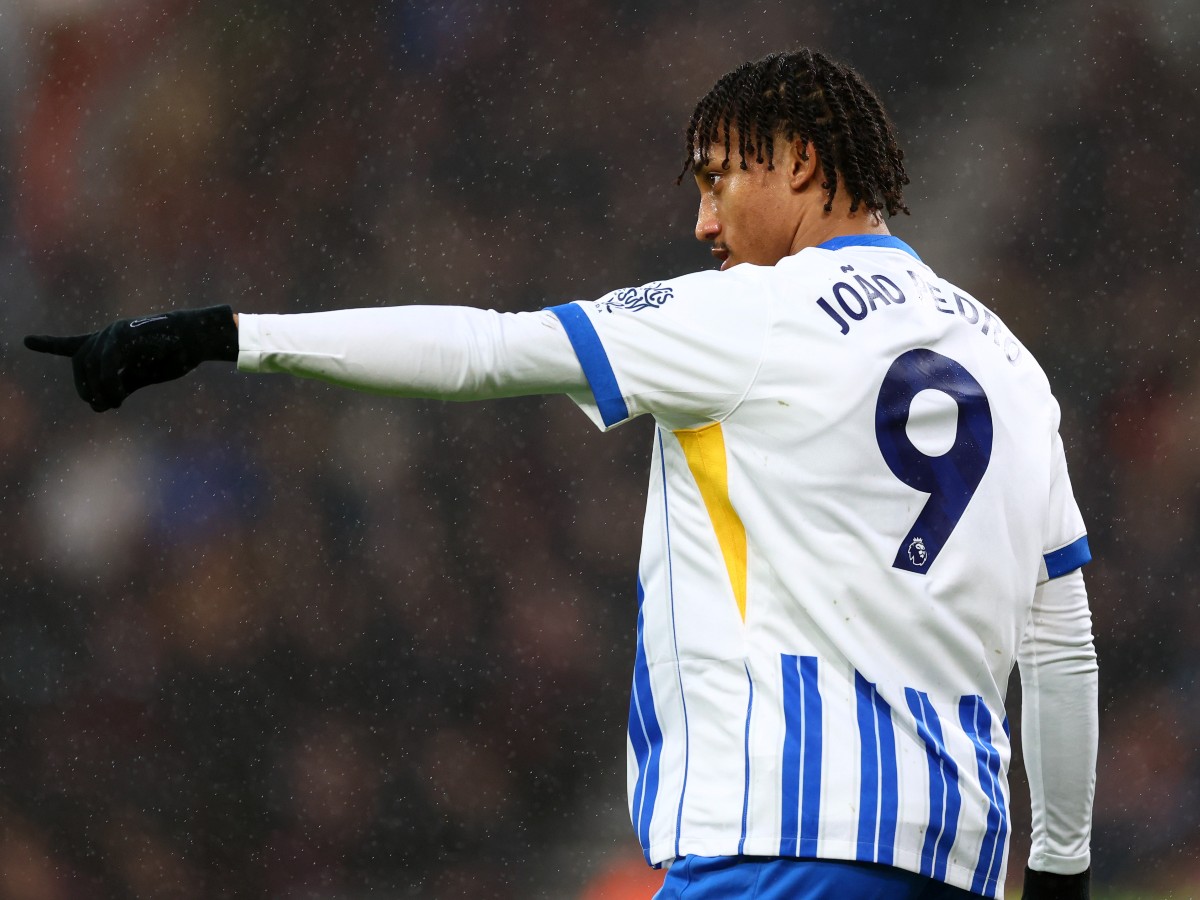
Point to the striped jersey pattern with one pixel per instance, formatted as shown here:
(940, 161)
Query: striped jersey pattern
(856, 485)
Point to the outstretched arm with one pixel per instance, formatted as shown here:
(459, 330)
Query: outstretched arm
(453, 353)
(440, 352)
(1059, 737)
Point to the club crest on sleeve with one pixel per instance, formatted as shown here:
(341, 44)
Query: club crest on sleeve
(650, 296)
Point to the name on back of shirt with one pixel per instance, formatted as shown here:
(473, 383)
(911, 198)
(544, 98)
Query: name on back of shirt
(860, 294)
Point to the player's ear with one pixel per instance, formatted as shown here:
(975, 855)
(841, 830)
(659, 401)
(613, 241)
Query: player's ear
(804, 166)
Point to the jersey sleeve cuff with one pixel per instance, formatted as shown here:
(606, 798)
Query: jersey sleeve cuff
(1060, 865)
(249, 344)
(596, 366)
(1067, 559)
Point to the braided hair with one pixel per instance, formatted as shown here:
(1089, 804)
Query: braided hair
(804, 94)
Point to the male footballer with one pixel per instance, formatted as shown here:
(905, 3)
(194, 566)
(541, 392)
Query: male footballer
(859, 513)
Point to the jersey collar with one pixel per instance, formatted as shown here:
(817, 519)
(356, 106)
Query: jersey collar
(869, 240)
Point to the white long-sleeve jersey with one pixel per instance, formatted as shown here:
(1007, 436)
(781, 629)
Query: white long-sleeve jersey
(859, 518)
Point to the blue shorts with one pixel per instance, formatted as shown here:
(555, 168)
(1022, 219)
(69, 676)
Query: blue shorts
(770, 878)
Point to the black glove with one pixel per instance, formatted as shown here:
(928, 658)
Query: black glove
(112, 363)
(1048, 886)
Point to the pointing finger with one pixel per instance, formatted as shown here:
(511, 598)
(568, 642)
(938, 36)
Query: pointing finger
(59, 346)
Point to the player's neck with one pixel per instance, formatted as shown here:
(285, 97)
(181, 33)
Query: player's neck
(825, 226)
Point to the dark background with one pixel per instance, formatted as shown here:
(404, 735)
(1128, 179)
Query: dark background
(264, 638)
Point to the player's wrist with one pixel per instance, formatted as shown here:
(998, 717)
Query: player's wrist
(1050, 886)
(212, 333)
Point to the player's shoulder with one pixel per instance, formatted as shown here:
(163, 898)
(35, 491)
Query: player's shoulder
(994, 339)
(672, 294)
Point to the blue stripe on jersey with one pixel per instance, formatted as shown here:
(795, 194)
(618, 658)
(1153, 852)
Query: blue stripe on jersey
(977, 723)
(878, 795)
(645, 734)
(746, 751)
(1069, 558)
(596, 366)
(687, 740)
(869, 240)
(801, 776)
(945, 800)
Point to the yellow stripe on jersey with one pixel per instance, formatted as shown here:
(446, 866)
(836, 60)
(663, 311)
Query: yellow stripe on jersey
(704, 449)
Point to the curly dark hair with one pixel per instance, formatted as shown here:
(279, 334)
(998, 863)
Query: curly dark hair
(805, 94)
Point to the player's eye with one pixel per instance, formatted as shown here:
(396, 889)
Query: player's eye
(713, 178)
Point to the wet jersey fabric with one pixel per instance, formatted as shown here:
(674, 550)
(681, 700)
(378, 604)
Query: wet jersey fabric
(856, 485)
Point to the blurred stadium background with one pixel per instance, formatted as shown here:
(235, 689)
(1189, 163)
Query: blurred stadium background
(263, 638)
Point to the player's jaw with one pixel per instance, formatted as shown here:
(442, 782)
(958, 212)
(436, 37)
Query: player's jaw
(745, 215)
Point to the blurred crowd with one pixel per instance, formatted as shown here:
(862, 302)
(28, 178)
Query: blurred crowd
(265, 638)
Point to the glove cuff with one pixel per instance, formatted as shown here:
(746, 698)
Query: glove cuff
(212, 332)
(1048, 886)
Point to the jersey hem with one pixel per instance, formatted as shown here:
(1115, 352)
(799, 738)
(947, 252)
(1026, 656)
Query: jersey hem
(956, 875)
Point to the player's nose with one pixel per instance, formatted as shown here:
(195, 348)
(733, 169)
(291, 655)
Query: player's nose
(708, 226)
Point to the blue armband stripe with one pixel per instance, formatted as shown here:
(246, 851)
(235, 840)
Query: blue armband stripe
(1069, 558)
(586, 343)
